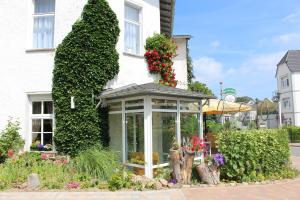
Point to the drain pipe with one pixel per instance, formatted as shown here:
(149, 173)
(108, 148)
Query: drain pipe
(99, 103)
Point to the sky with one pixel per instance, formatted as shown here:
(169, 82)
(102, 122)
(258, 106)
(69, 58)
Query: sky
(239, 42)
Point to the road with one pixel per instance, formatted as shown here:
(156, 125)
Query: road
(295, 151)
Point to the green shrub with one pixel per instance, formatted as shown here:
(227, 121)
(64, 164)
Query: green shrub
(120, 179)
(294, 133)
(254, 155)
(10, 139)
(84, 62)
(97, 162)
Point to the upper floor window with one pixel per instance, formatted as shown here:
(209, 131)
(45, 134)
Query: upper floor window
(43, 24)
(285, 82)
(286, 103)
(132, 29)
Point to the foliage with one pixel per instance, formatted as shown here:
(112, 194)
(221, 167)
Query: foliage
(243, 99)
(254, 155)
(160, 51)
(189, 124)
(97, 162)
(294, 133)
(120, 179)
(190, 73)
(266, 107)
(84, 62)
(214, 127)
(200, 87)
(10, 140)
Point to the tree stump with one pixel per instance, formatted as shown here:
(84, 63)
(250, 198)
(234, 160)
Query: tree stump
(175, 164)
(187, 166)
(208, 174)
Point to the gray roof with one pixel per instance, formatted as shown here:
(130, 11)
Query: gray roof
(182, 37)
(292, 59)
(167, 8)
(151, 89)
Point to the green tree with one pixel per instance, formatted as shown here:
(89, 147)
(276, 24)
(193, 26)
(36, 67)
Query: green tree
(190, 73)
(84, 62)
(244, 99)
(200, 87)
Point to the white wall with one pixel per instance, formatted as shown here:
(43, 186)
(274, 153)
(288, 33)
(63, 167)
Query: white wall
(296, 96)
(180, 62)
(24, 71)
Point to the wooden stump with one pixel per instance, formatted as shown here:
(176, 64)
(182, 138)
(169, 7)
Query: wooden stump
(208, 174)
(187, 166)
(175, 163)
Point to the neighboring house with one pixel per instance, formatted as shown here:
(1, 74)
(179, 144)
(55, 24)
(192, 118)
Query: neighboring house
(288, 86)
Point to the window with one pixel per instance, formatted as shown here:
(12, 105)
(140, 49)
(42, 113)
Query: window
(286, 103)
(132, 29)
(284, 82)
(43, 24)
(42, 121)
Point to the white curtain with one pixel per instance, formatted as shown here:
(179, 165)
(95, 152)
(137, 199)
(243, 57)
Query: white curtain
(132, 30)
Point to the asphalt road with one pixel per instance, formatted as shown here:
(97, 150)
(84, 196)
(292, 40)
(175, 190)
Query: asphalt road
(295, 151)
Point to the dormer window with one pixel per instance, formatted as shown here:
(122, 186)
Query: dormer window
(285, 82)
(43, 24)
(132, 29)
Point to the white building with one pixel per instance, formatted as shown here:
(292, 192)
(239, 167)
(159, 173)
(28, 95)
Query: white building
(288, 86)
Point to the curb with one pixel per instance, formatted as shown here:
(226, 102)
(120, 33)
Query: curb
(295, 144)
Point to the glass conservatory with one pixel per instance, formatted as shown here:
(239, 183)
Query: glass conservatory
(145, 120)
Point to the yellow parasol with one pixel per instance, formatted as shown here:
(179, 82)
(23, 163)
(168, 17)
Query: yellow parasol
(217, 106)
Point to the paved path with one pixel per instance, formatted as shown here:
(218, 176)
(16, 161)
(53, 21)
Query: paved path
(288, 190)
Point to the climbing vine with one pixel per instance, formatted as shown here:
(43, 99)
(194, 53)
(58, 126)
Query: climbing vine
(160, 50)
(84, 62)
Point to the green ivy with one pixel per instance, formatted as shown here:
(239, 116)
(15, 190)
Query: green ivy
(84, 62)
(254, 155)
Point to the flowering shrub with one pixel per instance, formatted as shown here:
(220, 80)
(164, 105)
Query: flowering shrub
(159, 53)
(37, 146)
(73, 185)
(219, 160)
(194, 144)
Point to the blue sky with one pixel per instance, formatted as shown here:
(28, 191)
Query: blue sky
(239, 41)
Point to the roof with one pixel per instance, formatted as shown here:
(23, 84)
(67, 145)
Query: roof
(182, 37)
(167, 8)
(292, 59)
(151, 89)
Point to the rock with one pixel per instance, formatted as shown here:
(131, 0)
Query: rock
(164, 182)
(33, 181)
(158, 185)
(186, 186)
(170, 185)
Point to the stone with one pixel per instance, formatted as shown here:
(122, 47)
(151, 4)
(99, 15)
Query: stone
(164, 182)
(158, 185)
(170, 185)
(33, 181)
(186, 186)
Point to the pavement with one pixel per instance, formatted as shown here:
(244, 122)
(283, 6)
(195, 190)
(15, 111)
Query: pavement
(282, 190)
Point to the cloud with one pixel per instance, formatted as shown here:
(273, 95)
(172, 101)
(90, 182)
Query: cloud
(291, 18)
(288, 38)
(215, 44)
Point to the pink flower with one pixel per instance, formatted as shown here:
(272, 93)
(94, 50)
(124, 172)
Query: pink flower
(44, 156)
(10, 153)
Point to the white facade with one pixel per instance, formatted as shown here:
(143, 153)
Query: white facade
(288, 85)
(26, 73)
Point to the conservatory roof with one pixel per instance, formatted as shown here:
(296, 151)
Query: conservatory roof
(151, 89)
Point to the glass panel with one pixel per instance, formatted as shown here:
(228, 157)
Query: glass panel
(163, 135)
(187, 105)
(47, 138)
(115, 133)
(36, 107)
(43, 28)
(44, 6)
(36, 137)
(189, 124)
(135, 138)
(132, 38)
(132, 13)
(134, 104)
(36, 125)
(116, 106)
(164, 104)
(48, 107)
(48, 125)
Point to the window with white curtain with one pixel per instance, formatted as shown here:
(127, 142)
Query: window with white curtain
(43, 24)
(132, 29)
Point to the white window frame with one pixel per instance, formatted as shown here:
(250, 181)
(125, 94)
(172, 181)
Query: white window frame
(284, 81)
(40, 15)
(139, 8)
(286, 103)
(42, 99)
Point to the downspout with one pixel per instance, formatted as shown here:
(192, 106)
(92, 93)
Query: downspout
(99, 103)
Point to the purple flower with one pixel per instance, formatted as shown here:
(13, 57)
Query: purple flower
(173, 180)
(219, 159)
(40, 147)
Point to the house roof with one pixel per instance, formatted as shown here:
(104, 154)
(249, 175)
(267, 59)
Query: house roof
(151, 89)
(167, 8)
(187, 37)
(292, 59)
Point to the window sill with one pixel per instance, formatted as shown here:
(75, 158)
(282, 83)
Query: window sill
(133, 55)
(46, 50)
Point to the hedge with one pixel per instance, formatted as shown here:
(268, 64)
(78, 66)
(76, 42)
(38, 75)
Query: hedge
(294, 133)
(84, 62)
(253, 155)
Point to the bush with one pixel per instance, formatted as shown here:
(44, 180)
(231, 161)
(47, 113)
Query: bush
(294, 133)
(84, 62)
(10, 139)
(254, 155)
(97, 162)
(120, 179)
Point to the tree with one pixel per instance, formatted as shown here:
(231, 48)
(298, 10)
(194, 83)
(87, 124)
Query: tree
(243, 99)
(84, 62)
(190, 73)
(200, 87)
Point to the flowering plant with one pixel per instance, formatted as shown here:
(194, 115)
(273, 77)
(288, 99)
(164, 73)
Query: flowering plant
(219, 160)
(194, 144)
(37, 146)
(73, 185)
(159, 53)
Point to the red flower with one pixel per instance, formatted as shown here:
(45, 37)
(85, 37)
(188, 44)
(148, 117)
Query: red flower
(44, 156)
(10, 153)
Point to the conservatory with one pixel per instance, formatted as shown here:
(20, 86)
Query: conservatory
(145, 120)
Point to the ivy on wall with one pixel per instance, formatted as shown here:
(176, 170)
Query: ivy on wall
(84, 62)
(160, 50)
